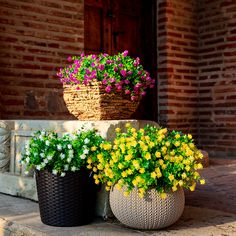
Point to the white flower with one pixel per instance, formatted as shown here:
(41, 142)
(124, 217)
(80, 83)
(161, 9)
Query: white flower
(38, 167)
(69, 146)
(71, 153)
(62, 155)
(49, 158)
(59, 147)
(27, 153)
(47, 143)
(45, 161)
(73, 168)
(27, 144)
(43, 132)
(86, 151)
(66, 167)
(86, 141)
(26, 172)
(83, 156)
(79, 132)
(27, 160)
(63, 174)
(43, 165)
(42, 155)
(69, 159)
(40, 137)
(54, 172)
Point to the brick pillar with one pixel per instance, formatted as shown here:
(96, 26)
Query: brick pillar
(217, 77)
(177, 64)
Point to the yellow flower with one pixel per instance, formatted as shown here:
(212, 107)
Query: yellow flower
(109, 183)
(172, 153)
(148, 156)
(189, 136)
(191, 145)
(163, 149)
(153, 175)
(136, 164)
(141, 195)
(161, 162)
(147, 138)
(99, 166)
(93, 148)
(199, 166)
(108, 188)
(181, 182)
(95, 169)
(187, 168)
(141, 131)
(163, 195)
(141, 170)
(167, 143)
(95, 176)
(177, 136)
(118, 186)
(133, 130)
(99, 156)
(129, 172)
(144, 148)
(157, 154)
(89, 167)
(177, 143)
(89, 160)
(127, 125)
(192, 187)
(97, 181)
(171, 177)
(126, 193)
(202, 181)
(174, 188)
(117, 130)
(124, 174)
(120, 166)
(128, 157)
(184, 176)
(151, 144)
(133, 143)
(135, 182)
(196, 174)
(107, 146)
(163, 166)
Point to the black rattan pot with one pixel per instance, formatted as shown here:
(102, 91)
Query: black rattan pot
(68, 200)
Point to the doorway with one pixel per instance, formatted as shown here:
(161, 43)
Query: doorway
(112, 26)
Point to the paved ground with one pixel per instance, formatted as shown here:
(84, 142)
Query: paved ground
(209, 211)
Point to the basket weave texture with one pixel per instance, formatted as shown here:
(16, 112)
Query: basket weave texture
(92, 102)
(65, 201)
(150, 212)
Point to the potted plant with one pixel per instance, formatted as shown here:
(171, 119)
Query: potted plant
(146, 173)
(66, 192)
(99, 87)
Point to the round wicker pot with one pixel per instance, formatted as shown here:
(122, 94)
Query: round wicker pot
(150, 212)
(66, 201)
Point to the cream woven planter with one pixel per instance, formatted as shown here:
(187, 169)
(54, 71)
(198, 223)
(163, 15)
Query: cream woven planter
(150, 212)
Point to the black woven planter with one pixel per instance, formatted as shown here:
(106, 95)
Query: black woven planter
(66, 201)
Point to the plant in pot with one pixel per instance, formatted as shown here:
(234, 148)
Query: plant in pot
(104, 87)
(146, 173)
(66, 191)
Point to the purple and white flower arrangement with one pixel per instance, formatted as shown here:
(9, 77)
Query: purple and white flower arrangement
(116, 73)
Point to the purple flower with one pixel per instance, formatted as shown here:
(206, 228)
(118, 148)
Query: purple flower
(129, 72)
(108, 89)
(127, 81)
(127, 91)
(118, 87)
(112, 80)
(94, 56)
(115, 69)
(148, 78)
(133, 98)
(93, 64)
(125, 53)
(143, 93)
(77, 88)
(104, 81)
(120, 65)
(101, 67)
(108, 61)
(69, 59)
(123, 72)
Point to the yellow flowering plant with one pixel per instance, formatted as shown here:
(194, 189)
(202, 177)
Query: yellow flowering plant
(148, 158)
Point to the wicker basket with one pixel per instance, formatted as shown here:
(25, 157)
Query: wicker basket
(150, 212)
(93, 103)
(66, 201)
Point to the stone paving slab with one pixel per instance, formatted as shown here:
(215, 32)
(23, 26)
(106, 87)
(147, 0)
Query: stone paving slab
(209, 211)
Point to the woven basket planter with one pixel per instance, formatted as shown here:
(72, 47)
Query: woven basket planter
(65, 201)
(150, 212)
(93, 103)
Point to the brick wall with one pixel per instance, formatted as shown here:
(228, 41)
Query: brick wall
(177, 64)
(36, 36)
(217, 76)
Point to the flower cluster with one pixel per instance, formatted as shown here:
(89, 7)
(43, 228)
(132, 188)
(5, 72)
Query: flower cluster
(116, 73)
(59, 154)
(150, 158)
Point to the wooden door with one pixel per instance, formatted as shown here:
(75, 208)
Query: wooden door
(113, 26)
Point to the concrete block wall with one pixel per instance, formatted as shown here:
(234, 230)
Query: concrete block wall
(217, 76)
(35, 39)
